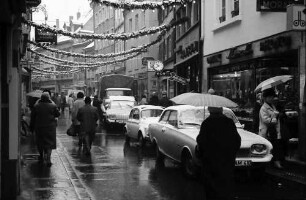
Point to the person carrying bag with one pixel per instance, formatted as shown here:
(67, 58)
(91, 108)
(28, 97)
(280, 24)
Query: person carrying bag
(269, 126)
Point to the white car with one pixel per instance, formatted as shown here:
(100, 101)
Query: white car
(117, 110)
(140, 117)
(174, 136)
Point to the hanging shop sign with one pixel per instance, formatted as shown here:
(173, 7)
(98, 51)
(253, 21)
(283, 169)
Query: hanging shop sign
(296, 17)
(214, 59)
(189, 50)
(238, 53)
(44, 36)
(276, 5)
(171, 76)
(275, 43)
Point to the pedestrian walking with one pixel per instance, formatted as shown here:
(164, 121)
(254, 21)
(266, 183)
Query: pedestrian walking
(77, 104)
(143, 100)
(63, 102)
(70, 102)
(269, 126)
(88, 116)
(218, 143)
(97, 103)
(154, 99)
(165, 101)
(44, 122)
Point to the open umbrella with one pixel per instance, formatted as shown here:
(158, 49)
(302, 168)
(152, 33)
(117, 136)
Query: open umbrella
(35, 93)
(272, 82)
(199, 99)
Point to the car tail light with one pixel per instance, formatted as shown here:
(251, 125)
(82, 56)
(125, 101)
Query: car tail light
(259, 149)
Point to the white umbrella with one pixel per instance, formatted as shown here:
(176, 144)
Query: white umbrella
(35, 93)
(199, 99)
(272, 82)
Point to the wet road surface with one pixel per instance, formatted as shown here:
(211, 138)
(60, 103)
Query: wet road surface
(118, 171)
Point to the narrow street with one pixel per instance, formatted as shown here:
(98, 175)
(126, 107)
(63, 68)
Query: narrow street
(118, 171)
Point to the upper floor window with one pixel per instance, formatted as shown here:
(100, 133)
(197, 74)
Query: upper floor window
(196, 12)
(227, 9)
(130, 25)
(235, 10)
(136, 22)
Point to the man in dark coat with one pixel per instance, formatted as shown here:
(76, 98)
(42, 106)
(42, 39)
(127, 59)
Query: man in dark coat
(43, 122)
(154, 99)
(88, 116)
(165, 101)
(97, 103)
(218, 143)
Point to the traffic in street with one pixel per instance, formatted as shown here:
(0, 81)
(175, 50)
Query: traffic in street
(120, 171)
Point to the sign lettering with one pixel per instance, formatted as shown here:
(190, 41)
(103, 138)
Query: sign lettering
(275, 5)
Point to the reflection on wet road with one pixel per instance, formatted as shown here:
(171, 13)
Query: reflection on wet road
(118, 171)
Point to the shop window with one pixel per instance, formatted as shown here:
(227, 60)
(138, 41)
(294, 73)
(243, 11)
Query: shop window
(239, 87)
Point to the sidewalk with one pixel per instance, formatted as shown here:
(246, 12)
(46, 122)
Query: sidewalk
(294, 171)
(37, 181)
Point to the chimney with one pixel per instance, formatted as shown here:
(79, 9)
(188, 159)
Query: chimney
(57, 23)
(70, 18)
(78, 15)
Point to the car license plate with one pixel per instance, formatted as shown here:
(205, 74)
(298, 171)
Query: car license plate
(243, 163)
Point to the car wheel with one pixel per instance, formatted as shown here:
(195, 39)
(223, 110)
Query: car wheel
(188, 166)
(141, 140)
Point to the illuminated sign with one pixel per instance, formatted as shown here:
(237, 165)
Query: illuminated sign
(296, 18)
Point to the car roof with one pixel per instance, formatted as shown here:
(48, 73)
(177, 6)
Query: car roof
(144, 107)
(121, 98)
(180, 107)
(117, 89)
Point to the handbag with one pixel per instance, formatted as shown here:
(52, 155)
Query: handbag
(70, 131)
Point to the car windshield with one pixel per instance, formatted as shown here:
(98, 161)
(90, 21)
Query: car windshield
(227, 112)
(121, 104)
(191, 117)
(151, 113)
(119, 93)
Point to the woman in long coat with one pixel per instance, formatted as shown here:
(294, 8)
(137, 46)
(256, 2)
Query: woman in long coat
(269, 117)
(43, 122)
(218, 143)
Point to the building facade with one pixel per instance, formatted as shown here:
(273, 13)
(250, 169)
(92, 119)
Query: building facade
(137, 66)
(187, 49)
(13, 41)
(246, 43)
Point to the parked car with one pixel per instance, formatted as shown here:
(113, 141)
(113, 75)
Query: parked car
(174, 136)
(117, 110)
(140, 117)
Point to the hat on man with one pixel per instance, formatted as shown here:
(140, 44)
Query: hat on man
(269, 93)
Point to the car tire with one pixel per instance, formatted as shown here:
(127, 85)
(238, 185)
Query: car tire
(141, 140)
(188, 167)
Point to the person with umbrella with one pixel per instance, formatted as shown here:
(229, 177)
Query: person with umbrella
(269, 126)
(217, 143)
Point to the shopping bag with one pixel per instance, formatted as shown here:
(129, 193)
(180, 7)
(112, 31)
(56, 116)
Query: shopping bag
(70, 131)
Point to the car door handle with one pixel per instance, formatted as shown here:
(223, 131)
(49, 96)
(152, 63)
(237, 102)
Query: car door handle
(163, 129)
